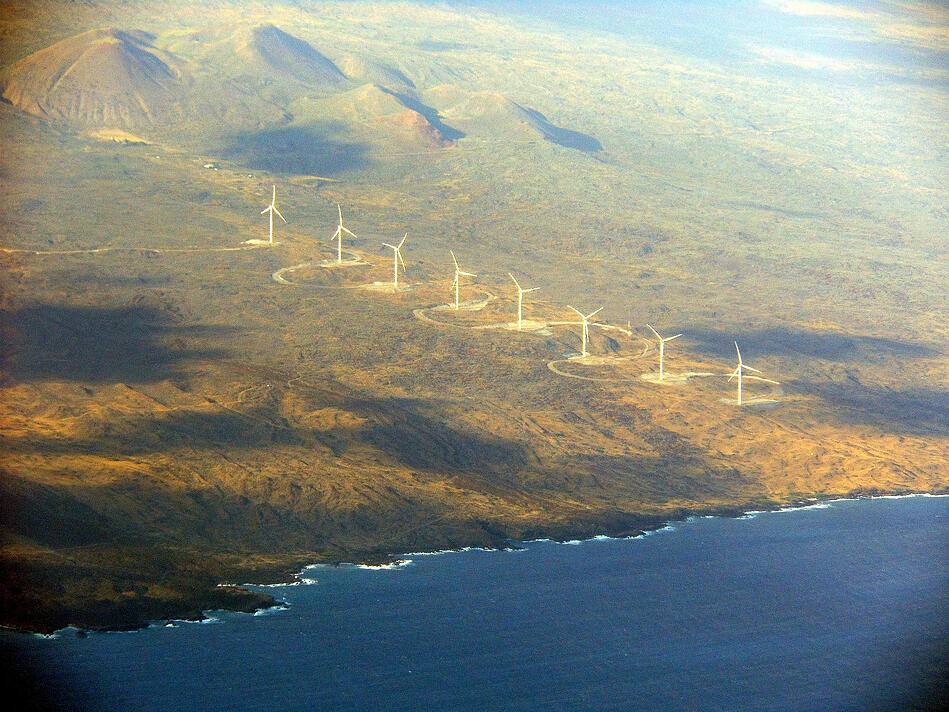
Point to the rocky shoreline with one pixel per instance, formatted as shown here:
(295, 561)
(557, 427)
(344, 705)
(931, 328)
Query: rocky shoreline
(191, 603)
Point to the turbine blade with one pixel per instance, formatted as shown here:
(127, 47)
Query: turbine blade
(403, 240)
(273, 198)
(749, 368)
(278, 213)
(738, 352)
(467, 274)
(340, 213)
(532, 289)
(346, 229)
(335, 236)
(670, 338)
(577, 311)
(515, 281)
(388, 245)
(655, 332)
(592, 314)
(454, 260)
(399, 253)
(265, 210)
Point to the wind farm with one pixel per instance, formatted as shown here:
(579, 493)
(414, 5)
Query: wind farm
(188, 406)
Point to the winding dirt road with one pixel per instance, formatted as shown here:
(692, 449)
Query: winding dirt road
(151, 250)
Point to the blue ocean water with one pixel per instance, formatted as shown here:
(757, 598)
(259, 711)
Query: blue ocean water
(844, 606)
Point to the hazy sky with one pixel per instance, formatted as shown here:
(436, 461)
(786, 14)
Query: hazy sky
(855, 40)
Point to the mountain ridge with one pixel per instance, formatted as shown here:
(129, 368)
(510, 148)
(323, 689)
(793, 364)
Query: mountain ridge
(101, 77)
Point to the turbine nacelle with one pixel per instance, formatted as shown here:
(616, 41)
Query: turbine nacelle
(661, 339)
(588, 316)
(272, 208)
(520, 289)
(398, 250)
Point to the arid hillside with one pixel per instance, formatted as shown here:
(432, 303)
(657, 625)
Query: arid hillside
(106, 77)
(184, 405)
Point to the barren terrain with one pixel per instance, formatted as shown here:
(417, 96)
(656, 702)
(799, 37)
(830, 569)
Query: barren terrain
(179, 409)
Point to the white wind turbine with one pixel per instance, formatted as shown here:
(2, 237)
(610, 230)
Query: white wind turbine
(272, 208)
(338, 236)
(662, 346)
(458, 275)
(738, 370)
(396, 259)
(520, 296)
(585, 328)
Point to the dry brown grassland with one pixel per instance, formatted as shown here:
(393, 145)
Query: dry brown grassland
(172, 417)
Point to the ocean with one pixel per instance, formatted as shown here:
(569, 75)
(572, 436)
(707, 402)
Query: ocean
(839, 606)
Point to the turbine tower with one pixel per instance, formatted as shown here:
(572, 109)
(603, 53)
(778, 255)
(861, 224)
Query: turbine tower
(585, 328)
(520, 296)
(738, 370)
(272, 208)
(458, 275)
(338, 236)
(396, 259)
(662, 346)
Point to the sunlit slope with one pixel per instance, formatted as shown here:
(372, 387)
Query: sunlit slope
(104, 77)
(258, 57)
(250, 89)
(370, 71)
(491, 116)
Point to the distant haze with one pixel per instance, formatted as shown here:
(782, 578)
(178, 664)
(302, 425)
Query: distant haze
(853, 40)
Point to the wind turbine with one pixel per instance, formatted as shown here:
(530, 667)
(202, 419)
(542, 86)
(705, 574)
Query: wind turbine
(338, 236)
(458, 275)
(737, 372)
(662, 346)
(585, 329)
(520, 297)
(272, 208)
(396, 258)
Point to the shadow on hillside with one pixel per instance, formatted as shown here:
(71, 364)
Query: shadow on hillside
(827, 345)
(412, 432)
(300, 150)
(416, 434)
(133, 509)
(564, 137)
(917, 411)
(775, 209)
(248, 503)
(432, 115)
(132, 344)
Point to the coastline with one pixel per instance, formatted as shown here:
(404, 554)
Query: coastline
(399, 560)
(238, 599)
